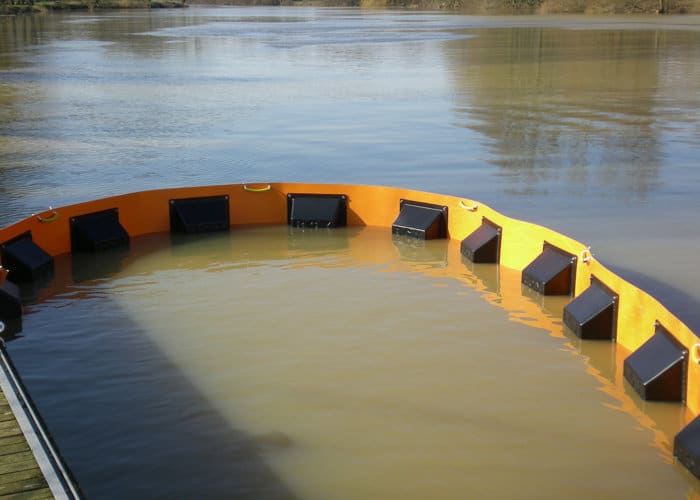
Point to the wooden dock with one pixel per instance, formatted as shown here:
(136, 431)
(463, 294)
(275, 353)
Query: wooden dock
(20, 474)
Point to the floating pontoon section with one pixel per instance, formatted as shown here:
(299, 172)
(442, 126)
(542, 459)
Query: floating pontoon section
(97, 231)
(25, 260)
(10, 308)
(552, 272)
(657, 370)
(199, 215)
(593, 314)
(316, 210)
(424, 221)
(686, 447)
(484, 244)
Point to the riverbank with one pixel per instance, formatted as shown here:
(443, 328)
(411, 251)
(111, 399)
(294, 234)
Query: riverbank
(480, 7)
(30, 6)
(495, 7)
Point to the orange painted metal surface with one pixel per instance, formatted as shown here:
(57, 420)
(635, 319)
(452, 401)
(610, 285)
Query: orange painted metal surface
(521, 242)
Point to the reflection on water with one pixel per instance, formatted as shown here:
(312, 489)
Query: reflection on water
(336, 363)
(427, 253)
(577, 110)
(559, 106)
(589, 125)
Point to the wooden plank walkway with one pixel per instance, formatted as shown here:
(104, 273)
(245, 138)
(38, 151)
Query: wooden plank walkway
(20, 475)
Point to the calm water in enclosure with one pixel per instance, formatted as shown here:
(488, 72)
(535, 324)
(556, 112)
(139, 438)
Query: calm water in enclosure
(278, 363)
(587, 125)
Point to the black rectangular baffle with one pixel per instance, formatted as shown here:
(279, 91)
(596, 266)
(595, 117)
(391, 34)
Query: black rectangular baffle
(97, 231)
(686, 447)
(25, 260)
(657, 370)
(552, 272)
(199, 215)
(593, 314)
(317, 210)
(483, 246)
(424, 221)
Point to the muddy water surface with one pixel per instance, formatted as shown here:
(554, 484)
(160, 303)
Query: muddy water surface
(342, 364)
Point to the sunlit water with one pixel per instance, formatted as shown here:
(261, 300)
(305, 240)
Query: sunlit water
(389, 368)
(590, 125)
(587, 125)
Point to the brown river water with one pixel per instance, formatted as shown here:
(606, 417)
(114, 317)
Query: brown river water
(276, 364)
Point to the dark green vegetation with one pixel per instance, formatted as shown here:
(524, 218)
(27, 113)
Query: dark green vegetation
(28, 6)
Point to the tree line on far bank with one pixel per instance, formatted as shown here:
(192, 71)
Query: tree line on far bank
(481, 7)
(39, 6)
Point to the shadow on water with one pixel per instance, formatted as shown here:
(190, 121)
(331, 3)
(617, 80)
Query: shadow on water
(679, 302)
(128, 422)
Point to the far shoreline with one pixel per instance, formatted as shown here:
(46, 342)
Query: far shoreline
(469, 7)
(10, 7)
